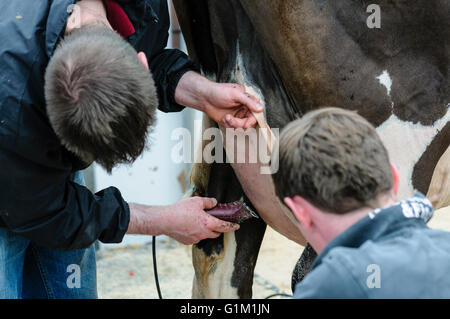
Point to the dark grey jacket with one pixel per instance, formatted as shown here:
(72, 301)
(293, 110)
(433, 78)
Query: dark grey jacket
(389, 254)
(37, 198)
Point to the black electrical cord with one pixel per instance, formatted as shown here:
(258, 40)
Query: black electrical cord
(155, 272)
(155, 268)
(281, 295)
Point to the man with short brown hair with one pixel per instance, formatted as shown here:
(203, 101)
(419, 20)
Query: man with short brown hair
(101, 98)
(336, 178)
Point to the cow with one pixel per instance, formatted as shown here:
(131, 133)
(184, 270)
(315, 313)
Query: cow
(300, 55)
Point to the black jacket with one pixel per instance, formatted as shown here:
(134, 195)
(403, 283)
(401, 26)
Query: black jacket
(38, 200)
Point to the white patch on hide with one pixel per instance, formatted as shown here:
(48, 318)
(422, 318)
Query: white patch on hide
(219, 281)
(406, 142)
(385, 80)
(241, 77)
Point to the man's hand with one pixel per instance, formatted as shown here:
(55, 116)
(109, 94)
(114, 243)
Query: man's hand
(230, 106)
(226, 103)
(185, 221)
(189, 223)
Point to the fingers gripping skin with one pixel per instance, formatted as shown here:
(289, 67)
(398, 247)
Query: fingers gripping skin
(244, 117)
(230, 105)
(226, 103)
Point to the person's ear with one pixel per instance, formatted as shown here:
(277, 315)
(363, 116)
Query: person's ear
(295, 204)
(143, 58)
(395, 178)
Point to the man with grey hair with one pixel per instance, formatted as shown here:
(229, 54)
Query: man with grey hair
(336, 178)
(98, 105)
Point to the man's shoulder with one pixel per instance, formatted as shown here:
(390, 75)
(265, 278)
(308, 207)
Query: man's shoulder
(407, 246)
(333, 278)
(395, 267)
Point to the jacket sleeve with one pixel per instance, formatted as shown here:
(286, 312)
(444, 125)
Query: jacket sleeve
(45, 206)
(167, 68)
(167, 65)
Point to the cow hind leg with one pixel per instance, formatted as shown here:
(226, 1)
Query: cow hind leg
(303, 265)
(224, 266)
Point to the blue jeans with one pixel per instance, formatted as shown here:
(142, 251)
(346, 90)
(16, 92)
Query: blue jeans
(28, 270)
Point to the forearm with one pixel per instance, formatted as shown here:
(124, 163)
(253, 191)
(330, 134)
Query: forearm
(192, 90)
(185, 221)
(146, 220)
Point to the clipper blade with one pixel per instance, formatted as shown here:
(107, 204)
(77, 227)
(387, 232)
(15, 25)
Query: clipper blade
(235, 212)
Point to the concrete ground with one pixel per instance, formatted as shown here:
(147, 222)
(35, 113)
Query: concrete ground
(127, 272)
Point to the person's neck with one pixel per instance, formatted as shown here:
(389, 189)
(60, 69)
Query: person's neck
(335, 224)
(87, 12)
(95, 7)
